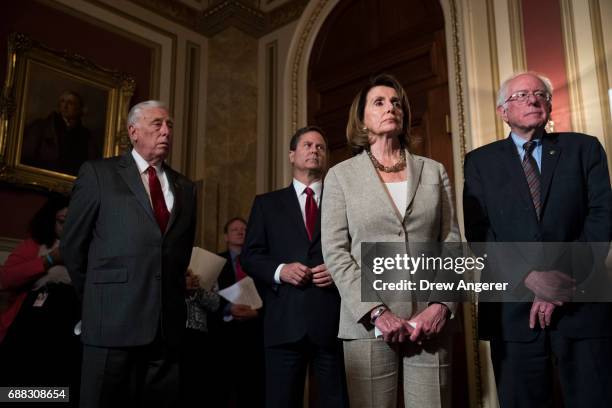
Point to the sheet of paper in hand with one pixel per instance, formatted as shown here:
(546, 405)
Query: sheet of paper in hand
(206, 266)
(243, 292)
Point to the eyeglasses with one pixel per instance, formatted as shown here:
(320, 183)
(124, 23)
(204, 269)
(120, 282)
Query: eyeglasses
(522, 97)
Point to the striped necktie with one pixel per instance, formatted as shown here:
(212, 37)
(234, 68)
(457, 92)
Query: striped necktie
(532, 174)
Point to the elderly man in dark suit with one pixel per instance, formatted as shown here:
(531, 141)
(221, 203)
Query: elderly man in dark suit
(127, 243)
(283, 252)
(538, 187)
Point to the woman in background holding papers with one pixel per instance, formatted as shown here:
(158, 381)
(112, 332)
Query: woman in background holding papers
(386, 194)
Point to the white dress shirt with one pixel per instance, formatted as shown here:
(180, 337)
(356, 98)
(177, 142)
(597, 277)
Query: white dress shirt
(161, 175)
(299, 187)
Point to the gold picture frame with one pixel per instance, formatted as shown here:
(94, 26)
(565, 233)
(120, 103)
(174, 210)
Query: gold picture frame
(57, 110)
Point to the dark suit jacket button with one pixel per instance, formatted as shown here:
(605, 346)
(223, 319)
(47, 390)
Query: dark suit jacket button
(158, 276)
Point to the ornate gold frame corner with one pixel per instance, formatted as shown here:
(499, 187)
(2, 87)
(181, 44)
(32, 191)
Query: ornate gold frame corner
(25, 52)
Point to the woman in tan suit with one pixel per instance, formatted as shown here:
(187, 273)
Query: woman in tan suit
(386, 194)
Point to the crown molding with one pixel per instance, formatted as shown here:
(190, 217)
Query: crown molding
(245, 15)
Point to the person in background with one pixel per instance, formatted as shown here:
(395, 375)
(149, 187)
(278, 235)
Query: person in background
(198, 351)
(60, 142)
(37, 343)
(240, 332)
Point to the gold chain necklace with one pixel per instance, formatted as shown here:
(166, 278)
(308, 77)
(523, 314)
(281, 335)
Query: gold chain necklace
(399, 166)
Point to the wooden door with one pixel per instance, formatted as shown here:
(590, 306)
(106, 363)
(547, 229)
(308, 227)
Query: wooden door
(362, 38)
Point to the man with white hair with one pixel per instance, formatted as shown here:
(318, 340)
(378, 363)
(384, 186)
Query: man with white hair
(530, 188)
(127, 244)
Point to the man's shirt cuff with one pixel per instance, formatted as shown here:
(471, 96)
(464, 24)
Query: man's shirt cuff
(277, 273)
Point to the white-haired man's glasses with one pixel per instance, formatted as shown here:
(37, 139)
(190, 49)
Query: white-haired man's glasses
(522, 97)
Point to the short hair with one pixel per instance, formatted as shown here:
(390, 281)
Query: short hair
(136, 112)
(42, 225)
(295, 139)
(231, 221)
(502, 94)
(356, 132)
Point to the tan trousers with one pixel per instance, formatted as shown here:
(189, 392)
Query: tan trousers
(374, 371)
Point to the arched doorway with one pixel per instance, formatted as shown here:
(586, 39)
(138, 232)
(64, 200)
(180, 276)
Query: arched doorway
(406, 38)
(401, 37)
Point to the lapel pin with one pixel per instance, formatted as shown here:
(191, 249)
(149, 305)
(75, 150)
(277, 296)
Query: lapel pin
(552, 152)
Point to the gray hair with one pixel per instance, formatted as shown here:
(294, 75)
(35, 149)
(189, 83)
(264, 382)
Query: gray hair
(136, 112)
(503, 89)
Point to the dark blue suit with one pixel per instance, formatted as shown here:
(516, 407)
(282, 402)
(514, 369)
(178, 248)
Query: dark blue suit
(576, 206)
(300, 323)
(240, 345)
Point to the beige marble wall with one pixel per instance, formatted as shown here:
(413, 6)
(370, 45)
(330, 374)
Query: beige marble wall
(231, 132)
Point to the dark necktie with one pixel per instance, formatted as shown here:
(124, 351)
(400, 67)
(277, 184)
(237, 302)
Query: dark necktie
(239, 271)
(311, 212)
(532, 174)
(162, 215)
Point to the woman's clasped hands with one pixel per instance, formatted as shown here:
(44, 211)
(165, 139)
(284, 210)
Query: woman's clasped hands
(420, 327)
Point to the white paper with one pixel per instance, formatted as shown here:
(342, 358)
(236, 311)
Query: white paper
(243, 292)
(378, 333)
(206, 266)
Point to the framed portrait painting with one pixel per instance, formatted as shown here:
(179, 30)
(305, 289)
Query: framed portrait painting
(58, 110)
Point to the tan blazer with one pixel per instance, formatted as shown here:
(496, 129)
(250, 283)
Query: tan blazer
(357, 208)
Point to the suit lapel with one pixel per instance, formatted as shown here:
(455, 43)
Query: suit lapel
(317, 231)
(550, 157)
(294, 212)
(177, 192)
(512, 162)
(415, 167)
(365, 171)
(228, 276)
(130, 174)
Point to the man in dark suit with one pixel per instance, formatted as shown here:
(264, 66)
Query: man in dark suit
(536, 187)
(127, 243)
(60, 142)
(240, 332)
(283, 252)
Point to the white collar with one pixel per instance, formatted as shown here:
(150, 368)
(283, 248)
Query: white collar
(299, 187)
(142, 163)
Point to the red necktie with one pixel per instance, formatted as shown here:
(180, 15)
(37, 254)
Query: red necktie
(311, 212)
(162, 215)
(239, 271)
